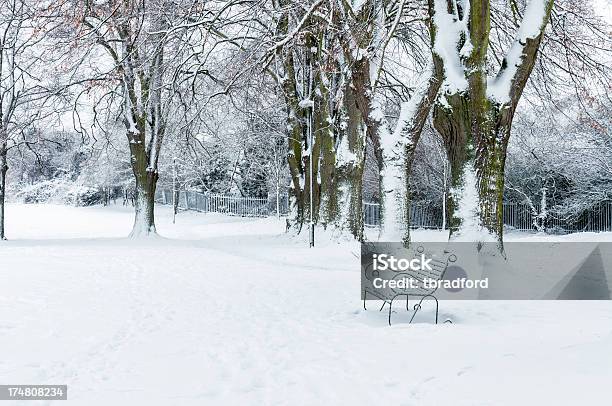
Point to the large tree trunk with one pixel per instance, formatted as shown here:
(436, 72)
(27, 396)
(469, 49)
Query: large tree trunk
(296, 195)
(474, 113)
(476, 150)
(396, 153)
(395, 148)
(336, 182)
(349, 165)
(299, 152)
(144, 152)
(288, 85)
(299, 156)
(352, 191)
(146, 183)
(3, 171)
(310, 121)
(294, 159)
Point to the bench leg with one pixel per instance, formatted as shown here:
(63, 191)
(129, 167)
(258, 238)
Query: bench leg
(365, 292)
(437, 306)
(417, 307)
(390, 308)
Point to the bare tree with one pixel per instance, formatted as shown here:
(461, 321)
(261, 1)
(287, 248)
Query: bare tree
(142, 42)
(23, 91)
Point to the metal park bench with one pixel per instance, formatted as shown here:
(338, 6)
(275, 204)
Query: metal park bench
(417, 289)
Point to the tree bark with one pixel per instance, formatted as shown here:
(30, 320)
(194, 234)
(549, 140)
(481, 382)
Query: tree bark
(144, 202)
(301, 117)
(394, 149)
(295, 139)
(175, 201)
(396, 152)
(350, 157)
(476, 150)
(396, 160)
(3, 171)
(337, 190)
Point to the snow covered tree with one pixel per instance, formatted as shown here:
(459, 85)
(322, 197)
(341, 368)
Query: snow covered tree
(141, 46)
(295, 57)
(263, 165)
(133, 35)
(560, 162)
(24, 99)
(370, 28)
(343, 51)
(474, 112)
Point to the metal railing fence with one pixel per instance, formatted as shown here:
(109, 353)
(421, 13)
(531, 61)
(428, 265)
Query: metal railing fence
(516, 215)
(234, 205)
(422, 214)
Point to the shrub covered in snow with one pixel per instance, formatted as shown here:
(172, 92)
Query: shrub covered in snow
(85, 196)
(46, 191)
(60, 191)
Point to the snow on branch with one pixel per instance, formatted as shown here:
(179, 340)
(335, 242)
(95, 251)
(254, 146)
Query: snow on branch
(296, 30)
(533, 25)
(397, 140)
(386, 40)
(449, 30)
(393, 145)
(358, 5)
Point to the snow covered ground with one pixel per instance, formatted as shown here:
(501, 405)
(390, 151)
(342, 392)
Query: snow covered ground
(232, 311)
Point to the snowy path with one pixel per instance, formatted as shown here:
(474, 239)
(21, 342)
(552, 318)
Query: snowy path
(230, 311)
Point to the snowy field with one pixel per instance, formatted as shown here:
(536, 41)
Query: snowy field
(231, 311)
